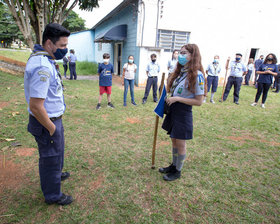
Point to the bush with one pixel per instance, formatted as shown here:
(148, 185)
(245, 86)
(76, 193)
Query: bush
(82, 68)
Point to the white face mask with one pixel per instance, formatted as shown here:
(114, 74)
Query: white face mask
(106, 60)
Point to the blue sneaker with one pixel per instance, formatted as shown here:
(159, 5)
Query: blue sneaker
(134, 103)
(124, 104)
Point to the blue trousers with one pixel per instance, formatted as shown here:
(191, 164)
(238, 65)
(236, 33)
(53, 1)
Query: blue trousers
(247, 77)
(51, 157)
(236, 82)
(129, 83)
(152, 81)
(212, 81)
(65, 66)
(72, 68)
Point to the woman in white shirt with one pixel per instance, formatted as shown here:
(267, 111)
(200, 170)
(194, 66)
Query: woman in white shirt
(250, 68)
(129, 70)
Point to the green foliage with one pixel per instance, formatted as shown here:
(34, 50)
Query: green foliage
(88, 5)
(74, 23)
(9, 30)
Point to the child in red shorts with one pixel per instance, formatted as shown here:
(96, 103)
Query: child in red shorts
(105, 72)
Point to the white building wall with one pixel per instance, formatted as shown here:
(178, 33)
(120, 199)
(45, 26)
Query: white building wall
(222, 27)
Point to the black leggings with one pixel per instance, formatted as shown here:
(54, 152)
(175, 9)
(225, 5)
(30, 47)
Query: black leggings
(262, 89)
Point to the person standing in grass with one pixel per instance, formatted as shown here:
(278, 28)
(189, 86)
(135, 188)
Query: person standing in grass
(266, 72)
(44, 95)
(72, 65)
(105, 72)
(65, 65)
(171, 65)
(258, 63)
(213, 70)
(250, 68)
(237, 71)
(186, 86)
(152, 71)
(129, 70)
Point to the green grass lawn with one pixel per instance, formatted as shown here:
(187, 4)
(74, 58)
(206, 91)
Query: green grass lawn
(82, 67)
(231, 174)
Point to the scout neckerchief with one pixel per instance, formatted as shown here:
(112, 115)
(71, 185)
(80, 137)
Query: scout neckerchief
(215, 66)
(177, 81)
(39, 50)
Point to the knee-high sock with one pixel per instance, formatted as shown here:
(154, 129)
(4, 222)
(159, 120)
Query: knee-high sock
(212, 96)
(180, 161)
(174, 156)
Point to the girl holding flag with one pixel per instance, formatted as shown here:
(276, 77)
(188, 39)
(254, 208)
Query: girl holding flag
(187, 88)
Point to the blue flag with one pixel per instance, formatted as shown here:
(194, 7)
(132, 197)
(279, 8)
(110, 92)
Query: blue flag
(160, 106)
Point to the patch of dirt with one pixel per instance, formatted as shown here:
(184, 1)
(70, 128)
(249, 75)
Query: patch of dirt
(243, 138)
(164, 143)
(25, 151)
(133, 120)
(104, 116)
(3, 104)
(12, 176)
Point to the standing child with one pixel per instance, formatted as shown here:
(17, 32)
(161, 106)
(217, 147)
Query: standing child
(250, 67)
(105, 72)
(72, 65)
(129, 70)
(152, 71)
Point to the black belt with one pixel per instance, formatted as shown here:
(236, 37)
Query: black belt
(55, 118)
(152, 76)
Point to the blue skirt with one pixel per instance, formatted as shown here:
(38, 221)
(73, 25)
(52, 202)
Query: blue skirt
(179, 122)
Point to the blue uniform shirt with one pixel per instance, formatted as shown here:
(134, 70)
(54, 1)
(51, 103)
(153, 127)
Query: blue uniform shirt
(172, 65)
(182, 89)
(213, 69)
(258, 64)
(237, 69)
(266, 78)
(42, 81)
(105, 74)
(153, 69)
(73, 58)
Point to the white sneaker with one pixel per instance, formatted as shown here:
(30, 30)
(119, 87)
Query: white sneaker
(212, 101)
(262, 106)
(254, 104)
(204, 101)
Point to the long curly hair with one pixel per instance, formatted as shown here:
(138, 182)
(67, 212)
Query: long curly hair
(192, 67)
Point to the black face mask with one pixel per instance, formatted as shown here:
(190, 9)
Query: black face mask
(270, 59)
(154, 60)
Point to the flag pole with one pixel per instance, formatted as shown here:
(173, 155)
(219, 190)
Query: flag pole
(227, 63)
(156, 125)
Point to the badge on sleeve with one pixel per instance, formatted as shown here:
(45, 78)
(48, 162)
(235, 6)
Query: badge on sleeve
(42, 72)
(201, 80)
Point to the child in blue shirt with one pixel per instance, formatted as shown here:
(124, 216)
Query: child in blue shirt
(105, 72)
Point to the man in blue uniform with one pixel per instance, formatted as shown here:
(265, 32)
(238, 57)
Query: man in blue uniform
(258, 63)
(237, 70)
(44, 95)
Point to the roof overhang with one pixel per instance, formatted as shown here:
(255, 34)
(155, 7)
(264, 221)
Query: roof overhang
(116, 33)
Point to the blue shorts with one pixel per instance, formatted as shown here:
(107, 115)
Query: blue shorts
(179, 122)
(212, 81)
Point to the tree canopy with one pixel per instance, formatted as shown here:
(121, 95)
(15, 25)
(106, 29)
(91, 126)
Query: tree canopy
(37, 14)
(9, 30)
(74, 23)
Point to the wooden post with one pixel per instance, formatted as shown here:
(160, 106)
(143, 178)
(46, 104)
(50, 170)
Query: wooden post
(156, 125)
(227, 63)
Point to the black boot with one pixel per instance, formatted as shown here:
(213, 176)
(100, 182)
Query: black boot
(167, 169)
(172, 175)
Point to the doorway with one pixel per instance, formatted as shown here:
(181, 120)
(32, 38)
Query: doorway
(253, 53)
(118, 58)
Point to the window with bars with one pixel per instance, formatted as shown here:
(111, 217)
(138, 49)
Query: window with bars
(170, 40)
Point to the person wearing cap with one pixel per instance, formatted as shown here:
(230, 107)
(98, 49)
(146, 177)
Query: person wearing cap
(44, 95)
(237, 70)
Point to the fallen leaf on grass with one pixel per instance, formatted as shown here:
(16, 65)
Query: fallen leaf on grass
(10, 139)
(15, 113)
(8, 87)
(5, 148)
(15, 144)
